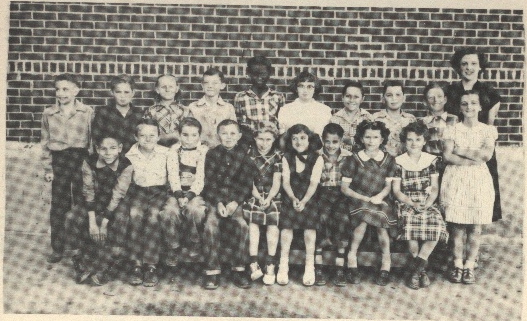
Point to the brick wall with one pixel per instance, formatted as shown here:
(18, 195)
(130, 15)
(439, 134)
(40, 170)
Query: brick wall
(145, 40)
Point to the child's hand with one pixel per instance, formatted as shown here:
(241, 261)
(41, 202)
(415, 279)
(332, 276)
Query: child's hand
(231, 208)
(94, 232)
(222, 211)
(48, 177)
(300, 207)
(376, 200)
(182, 202)
(296, 202)
(264, 203)
(103, 233)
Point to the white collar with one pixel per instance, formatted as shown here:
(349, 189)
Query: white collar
(364, 157)
(409, 164)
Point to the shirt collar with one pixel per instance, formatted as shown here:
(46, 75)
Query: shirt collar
(251, 93)
(384, 114)
(134, 150)
(430, 118)
(343, 153)
(203, 101)
(78, 107)
(343, 114)
(363, 156)
(113, 166)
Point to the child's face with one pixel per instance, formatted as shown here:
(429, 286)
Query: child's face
(229, 135)
(436, 99)
(147, 136)
(352, 98)
(394, 97)
(259, 76)
(167, 88)
(123, 94)
(212, 86)
(332, 144)
(189, 136)
(414, 143)
(470, 68)
(470, 106)
(372, 139)
(300, 142)
(264, 142)
(109, 150)
(306, 90)
(65, 92)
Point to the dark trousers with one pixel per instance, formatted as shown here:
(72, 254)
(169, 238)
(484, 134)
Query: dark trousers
(237, 229)
(66, 191)
(334, 220)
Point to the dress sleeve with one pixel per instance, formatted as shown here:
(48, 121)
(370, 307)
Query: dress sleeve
(348, 169)
(392, 168)
(433, 167)
(316, 173)
(448, 134)
(491, 135)
(398, 172)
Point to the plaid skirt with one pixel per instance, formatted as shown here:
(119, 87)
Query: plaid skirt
(253, 213)
(421, 226)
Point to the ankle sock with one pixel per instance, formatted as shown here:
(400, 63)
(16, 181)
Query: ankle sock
(339, 261)
(318, 256)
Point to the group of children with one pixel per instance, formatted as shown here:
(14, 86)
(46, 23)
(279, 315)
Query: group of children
(176, 173)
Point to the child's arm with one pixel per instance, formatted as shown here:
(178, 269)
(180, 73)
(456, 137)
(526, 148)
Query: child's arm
(119, 191)
(286, 175)
(88, 186)
(46, 152)
(483, 154)
(454, 159)
(256, 194)
(93, 228)
(173, 170)
(277, 177)
(401, 197)
(316, 174)
(346, 190)
(378, 199)
(434, 191)
(199, 181)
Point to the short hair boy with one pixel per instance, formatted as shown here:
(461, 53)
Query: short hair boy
(229, 175)
(65, 140)
(393, 116)
(120, 117)
(211, 109)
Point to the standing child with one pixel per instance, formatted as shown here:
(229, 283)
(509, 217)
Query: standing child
(302, 170)
(366, 180)
(65, 140)
(264, 206)
(333, 204)
(212, 109)
(351, 115)
(467, 191)
(393, 116)
(167, 111)
(416, 187)
(259, 102)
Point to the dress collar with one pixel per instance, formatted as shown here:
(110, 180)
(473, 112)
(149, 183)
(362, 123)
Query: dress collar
(409, 164)
(364, 157)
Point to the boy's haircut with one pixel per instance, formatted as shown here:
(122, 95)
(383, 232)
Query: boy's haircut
(314, 140)
(306, 76)
(266, 127)
(147, 121)
(392, 83)
(373, 125)
(178, 94)
(190, 122)
(455, 61)
(227, 122)
(214, 72)
(431, 86)
(98, 141)
(122, 79)
(334, 129)
(352, 83)
(418, 127)
(74, 79)
(259, 60)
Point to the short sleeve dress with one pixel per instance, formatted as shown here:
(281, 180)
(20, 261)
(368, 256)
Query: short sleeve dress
(467, 193)
(368, 176)
(267, 166)
(416, 181)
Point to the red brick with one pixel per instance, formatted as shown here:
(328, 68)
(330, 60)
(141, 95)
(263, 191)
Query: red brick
(105, 9)
(298, 45)
(453, 41)
(512, 34)
(431, 24)
(382, 39)
(263, 36)
(359, 23)
(476, 41)
(382, 23)
(511, 50)
(287, 37)
(405, 24)
(19, 32)
(393, 31)
(465, 33)
(81, 8)
(227, 28)
(299, 13)
(275, 13)
(514, 18)
(476, 25)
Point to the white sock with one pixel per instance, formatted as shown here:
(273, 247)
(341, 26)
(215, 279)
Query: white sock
(469, 265)
(458, 263)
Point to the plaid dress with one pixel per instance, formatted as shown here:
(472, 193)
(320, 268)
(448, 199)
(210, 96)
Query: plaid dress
(415, 179)
(267, 165)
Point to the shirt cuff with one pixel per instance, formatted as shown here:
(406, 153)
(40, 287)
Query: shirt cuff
(108, 214)
(90, 206)
(346, 179)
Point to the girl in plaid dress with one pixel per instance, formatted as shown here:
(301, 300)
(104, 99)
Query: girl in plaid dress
(264, 206)
(416, 187)
(366, 180)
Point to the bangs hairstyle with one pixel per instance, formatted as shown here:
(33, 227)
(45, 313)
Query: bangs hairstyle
(227, 122)
(392, 83)
(100, 139)
(306, 76)
(190, 122)
(259, 61)
(122, 79)
(74, 79)
(354, 84)
(314, 140)
(147, 121)
(418, 127)
(178, 94)
(455, 61)
(214, 72)
(265, 127)
(373, 125)
(483, 99)
(334, 129)
(431, 86)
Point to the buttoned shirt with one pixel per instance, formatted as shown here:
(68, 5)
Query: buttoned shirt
(251, 109)
(314, 115)
(210, 116)
(168, 117)
(436, 127)
(332, 172)
(394, 146)
(186, 168)
(61, 131)
(342, 117)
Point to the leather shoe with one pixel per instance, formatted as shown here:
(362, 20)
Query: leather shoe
(211, 282)
(241, 280)
(54, 257)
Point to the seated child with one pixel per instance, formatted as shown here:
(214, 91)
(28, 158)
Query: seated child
(392, 116)
(87, 224)
(65, 141)
(167, 111)
(263, 208)
(146, 178)
(351, 115)
(416, 187)
(301, 172)
(229, 176)
(211, 109)
(333, 204)
(366, 180)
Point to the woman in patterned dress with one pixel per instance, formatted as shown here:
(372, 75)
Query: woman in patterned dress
(416, 187)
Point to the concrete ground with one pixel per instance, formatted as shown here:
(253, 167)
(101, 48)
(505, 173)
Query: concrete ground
(31, 286)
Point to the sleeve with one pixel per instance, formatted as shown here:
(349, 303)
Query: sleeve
(286, 172)
(232, 113)
(492, 96)
(448, 134)
(246, 179)
(348, 170)
(97, 125)
(173, 169)
(316, 174)
(398, 175)
(91, 142)
(148, 113)
(282, 123)
(433, 167)
(238, 107)
(119, 191)
(277, 167)
(211, 185)
(44, 141)
(199, 180)
(392, 168)
(88, 186)
(491, 135)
